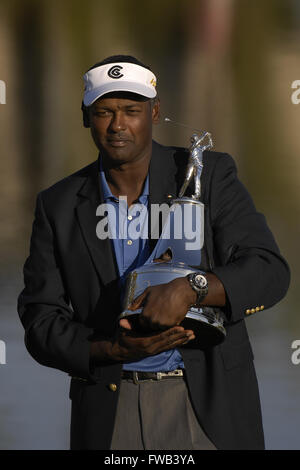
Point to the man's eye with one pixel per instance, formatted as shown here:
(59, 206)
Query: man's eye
(101, 113)
(133, 111)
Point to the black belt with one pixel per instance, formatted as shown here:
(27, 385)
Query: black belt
(136, 377)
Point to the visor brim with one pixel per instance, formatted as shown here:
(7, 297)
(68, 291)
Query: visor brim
(91, 96)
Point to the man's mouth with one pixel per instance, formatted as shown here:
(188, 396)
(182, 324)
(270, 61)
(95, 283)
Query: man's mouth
(117, 142)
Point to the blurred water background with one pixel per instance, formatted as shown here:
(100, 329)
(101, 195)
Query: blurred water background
(226, 66)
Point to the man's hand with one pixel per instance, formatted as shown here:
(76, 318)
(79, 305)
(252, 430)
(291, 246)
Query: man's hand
(129, 346)
(164, 305)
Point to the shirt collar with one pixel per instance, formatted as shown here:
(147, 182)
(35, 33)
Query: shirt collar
(107, 194)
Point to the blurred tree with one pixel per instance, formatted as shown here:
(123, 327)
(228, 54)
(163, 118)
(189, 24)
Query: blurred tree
(30, 68)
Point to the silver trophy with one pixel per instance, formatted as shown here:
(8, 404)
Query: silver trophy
(178, 253)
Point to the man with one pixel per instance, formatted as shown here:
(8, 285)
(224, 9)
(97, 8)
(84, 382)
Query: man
(146, 390)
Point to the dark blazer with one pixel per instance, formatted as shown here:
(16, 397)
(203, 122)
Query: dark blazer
(71, 296)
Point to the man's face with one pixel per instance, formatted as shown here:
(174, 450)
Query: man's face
(121, 125)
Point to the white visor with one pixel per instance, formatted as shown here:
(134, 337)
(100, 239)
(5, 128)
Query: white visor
(120, 76)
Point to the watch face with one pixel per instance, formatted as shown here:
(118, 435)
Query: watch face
(200, 280)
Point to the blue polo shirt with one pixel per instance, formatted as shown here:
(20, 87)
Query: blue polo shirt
(132, 252)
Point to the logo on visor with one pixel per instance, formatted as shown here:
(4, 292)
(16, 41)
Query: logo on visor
(114, 72)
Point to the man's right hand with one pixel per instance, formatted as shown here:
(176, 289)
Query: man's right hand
(129, 346)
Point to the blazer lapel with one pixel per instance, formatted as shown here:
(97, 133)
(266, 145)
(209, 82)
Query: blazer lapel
(162, 172)
(100, 250)
(164, 180)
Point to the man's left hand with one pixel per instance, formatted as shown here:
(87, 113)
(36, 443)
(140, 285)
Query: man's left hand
(164, 305)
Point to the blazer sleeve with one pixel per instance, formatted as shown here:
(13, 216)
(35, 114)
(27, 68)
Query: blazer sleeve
(52, 337)
(249, 264)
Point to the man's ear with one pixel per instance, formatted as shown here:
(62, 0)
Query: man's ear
(85, 115)
(156, 111)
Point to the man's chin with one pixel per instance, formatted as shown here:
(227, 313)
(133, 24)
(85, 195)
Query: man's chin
(119, 154)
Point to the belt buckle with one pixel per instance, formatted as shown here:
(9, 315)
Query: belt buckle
(135, 377)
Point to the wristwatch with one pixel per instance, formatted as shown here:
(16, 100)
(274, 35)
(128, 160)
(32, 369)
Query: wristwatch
(199, 284)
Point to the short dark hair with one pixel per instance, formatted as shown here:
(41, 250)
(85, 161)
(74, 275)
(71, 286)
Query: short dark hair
(119, 58)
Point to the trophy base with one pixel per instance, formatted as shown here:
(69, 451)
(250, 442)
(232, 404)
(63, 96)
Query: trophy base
(207, 327)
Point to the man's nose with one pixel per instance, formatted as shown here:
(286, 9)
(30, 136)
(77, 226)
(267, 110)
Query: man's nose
(117, 123)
